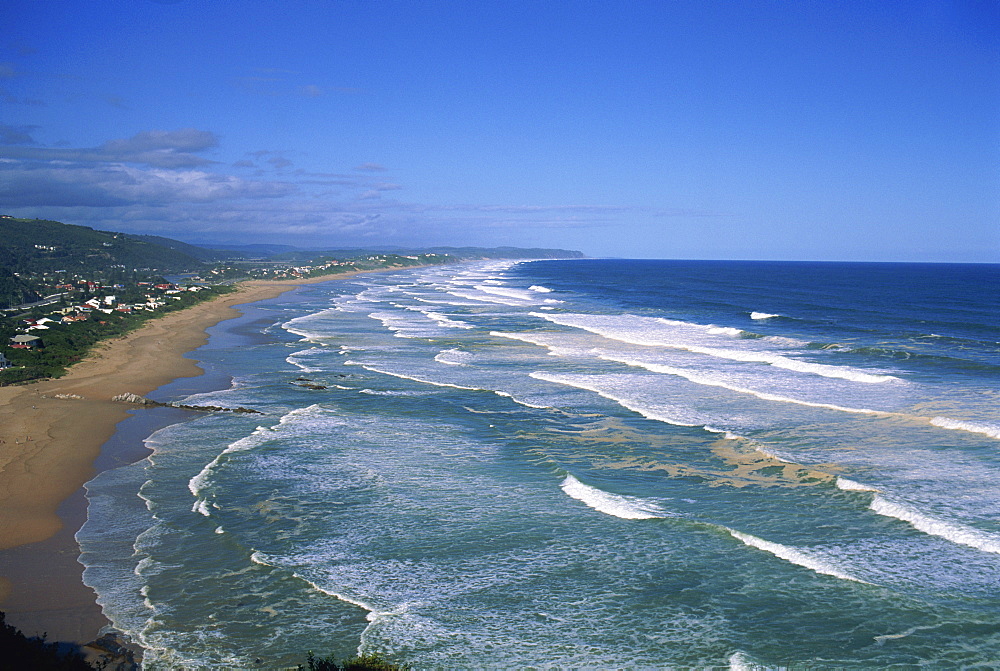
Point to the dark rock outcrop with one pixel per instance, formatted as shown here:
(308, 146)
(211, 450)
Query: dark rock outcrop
(135, 399)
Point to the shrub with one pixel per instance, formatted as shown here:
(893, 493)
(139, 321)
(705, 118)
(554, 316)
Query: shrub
(367, 662)
(17, 651)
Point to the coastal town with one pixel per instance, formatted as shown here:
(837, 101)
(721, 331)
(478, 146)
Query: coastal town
(73, 311)
(64, 288)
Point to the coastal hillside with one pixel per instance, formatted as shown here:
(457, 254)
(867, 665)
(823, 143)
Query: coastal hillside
(31, 246)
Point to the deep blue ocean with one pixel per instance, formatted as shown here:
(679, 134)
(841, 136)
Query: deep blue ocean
(577, 464)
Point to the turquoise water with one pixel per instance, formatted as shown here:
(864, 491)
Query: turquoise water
(583, 464)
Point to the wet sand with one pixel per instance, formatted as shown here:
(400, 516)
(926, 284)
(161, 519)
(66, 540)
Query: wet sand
(51, 433)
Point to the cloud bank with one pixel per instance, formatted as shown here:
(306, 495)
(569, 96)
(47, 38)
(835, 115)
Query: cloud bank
(167, 182)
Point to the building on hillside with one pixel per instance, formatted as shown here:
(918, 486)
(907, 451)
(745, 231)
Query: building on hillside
(25, 341)
(4, 363)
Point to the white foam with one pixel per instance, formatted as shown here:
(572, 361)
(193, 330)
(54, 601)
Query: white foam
(506, 292)
(260, 435)
(200, 481)
(779, 361)
(912, 630)
(792, 555)
(453, 357)
(487, 299)
(738, 661)
(404, 376)
(264, 560)
(531, 405)
(625, 507)
(990, 430)
(646, 412)
(771, 454)
(635, 329)
(390, 392)
(447, 321)
(292, 359)
(437, 383)
(950, 531)
(725, 330)
(542, 340)
(762, 315)
(540, 289)
(533, 339)
(691, 337)
(783, 341)
(698, 378)
(438, 301)
(852, 486)
(299, 325)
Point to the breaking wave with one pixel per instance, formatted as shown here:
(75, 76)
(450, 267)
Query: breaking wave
(793, 555)
(686, 337)
(698, 378)
(950, 531)
(625, 507)
(986, 429)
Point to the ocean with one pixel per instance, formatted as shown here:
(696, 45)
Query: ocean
(577, 464)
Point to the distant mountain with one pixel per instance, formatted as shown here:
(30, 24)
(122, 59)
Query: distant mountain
(255, 250)
(459, 253)
(195, 251)
(38, 246)
(32, 246)
(506, 252)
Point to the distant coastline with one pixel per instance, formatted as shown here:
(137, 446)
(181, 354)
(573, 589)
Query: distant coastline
(52, 431)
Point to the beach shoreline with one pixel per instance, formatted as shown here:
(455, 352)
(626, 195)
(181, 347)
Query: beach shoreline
(53, 431)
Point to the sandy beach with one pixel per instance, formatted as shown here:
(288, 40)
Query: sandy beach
(50, 434)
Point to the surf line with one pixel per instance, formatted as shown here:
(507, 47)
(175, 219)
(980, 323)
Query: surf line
(402, 376)
(634, 508)
(953, 532)
(373, 614)
(940, 422)
(711, 382)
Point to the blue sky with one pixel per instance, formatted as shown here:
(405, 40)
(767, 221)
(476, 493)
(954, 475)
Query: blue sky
(805, 130)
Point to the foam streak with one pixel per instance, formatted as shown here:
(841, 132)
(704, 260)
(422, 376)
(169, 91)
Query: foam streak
(792, 555)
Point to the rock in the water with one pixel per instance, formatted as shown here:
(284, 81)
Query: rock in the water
(129, 397)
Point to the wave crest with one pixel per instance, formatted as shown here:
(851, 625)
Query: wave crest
(625, 507)
(792, 555)
(950, 531)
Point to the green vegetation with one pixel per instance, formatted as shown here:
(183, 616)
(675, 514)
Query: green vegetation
(37, 246)
(14, 290)
(61, 345)
(367, 662)
(69, 287)
(17, 651)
